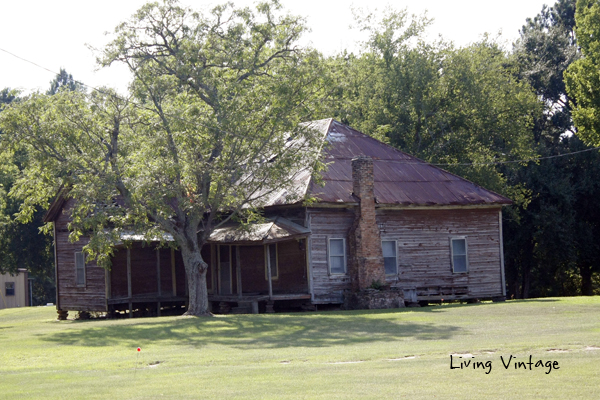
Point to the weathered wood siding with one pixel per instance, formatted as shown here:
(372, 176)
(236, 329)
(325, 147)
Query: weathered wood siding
(328, 224)
(423, 250)
(424, 256)
(92, 296)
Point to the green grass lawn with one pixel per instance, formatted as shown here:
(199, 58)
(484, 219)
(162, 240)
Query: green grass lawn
(346, 355)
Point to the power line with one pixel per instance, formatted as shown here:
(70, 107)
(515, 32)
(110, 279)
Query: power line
(49, 70)
(23, 59)
(394, 161)
(519, 161)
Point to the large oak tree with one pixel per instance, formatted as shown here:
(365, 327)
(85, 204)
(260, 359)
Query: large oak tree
(210, 130)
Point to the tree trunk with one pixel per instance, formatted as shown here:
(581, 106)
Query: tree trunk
(195, 271)
(586, 280)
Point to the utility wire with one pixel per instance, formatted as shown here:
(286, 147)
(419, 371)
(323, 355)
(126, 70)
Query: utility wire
(27, 61)
(393, 161)
(519, 161)
(54, 72)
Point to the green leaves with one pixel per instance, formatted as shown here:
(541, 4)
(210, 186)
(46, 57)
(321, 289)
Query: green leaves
(582, 78)
(442, 104)
(210, 131)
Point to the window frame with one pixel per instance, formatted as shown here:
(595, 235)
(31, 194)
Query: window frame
(395, 255)
(275, 276)
(329, 255)
(77, 283)
(452, 239)
(7, 288)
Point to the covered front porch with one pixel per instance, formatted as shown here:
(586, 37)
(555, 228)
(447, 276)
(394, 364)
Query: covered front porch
(250, 270)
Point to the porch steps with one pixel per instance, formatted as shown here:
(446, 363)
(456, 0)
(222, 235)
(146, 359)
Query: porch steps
(246, 309)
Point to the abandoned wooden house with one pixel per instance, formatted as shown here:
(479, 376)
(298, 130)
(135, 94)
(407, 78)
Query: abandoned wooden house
(383, 218)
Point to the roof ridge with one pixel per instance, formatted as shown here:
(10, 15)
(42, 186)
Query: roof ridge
(423, 161)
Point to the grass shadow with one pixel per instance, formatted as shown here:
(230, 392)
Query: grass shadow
(254, 331)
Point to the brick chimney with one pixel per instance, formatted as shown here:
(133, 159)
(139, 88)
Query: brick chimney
(366, 257)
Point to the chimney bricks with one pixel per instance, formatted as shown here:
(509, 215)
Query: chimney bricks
(366, 256)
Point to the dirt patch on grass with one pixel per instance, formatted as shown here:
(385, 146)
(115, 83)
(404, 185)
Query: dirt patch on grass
(402, 358)
(346, 362)
(154, 364)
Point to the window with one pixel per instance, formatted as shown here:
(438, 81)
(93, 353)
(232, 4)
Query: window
(390, 260)
(272, 260)
(79, 269)
(10, 288)
(337, 256)
(458, 248)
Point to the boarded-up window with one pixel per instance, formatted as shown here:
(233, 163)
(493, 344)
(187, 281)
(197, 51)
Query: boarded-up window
(390, 260)
(9, 288)
(337, 256)
(272, 259)
(459, 254)
(79, 269)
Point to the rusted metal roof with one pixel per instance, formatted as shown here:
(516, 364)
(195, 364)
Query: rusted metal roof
(274, 230)
(400, 179)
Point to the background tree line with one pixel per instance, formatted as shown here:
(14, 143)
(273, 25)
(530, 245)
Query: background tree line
(479, 111)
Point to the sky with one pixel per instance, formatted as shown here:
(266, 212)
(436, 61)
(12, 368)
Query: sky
(63, 33)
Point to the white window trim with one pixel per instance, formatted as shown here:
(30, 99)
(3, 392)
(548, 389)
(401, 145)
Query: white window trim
(13, 288)
(396, 250)
(329, 256)
(84, 270)
(268, 259)
(466, 254)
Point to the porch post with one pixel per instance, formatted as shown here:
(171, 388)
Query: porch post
(238, 271)
(129, 291)
(269, 272)
(308, 243)
(108, 294)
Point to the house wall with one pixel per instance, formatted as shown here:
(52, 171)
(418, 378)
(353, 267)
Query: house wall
(144, 271)
(252, 260)
(92, 296)
(326, 224)
(292, 269)
(21, 292)
(424, 256)
(291, 265)
(423, 250)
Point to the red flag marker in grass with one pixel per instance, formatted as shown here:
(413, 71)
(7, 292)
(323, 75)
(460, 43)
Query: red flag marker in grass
(139, 349)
